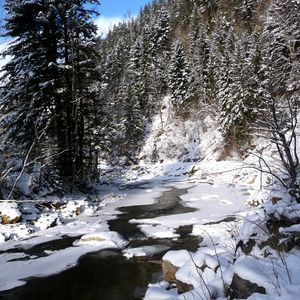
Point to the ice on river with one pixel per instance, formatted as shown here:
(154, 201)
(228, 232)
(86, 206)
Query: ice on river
(144, 251)
(212, 202)
(16, 267)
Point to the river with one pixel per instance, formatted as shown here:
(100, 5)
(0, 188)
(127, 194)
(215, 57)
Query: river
(107, 274)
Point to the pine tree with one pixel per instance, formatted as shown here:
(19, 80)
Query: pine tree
(48, 81)
(239, 107)
(160, 39)
(200, 56)
(248, 8)
(179, 77)
(76, 53)
(31, 79)
(139, 68)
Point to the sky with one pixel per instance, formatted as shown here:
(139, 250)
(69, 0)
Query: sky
(114, 11)
(113, 8)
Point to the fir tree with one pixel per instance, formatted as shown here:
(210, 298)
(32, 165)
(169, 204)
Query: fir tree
(239, 107)
(31, 79)
(179, 76)
(48, 81)
(200, 56)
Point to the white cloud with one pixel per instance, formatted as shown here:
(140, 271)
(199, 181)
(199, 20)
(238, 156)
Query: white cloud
(104, 24)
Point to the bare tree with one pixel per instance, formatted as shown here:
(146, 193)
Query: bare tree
(280, 89)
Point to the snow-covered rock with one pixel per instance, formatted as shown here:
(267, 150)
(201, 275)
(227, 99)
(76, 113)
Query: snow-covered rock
(172, 261)
(107, 239)
(145, 251)
(159, 291)
(177, 258)
(198, 271)
(158, 231)
(47, 220)
(9, 213)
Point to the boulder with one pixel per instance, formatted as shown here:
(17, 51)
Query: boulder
(172, 261)
(105, 239)
(183, 287)
(198, 272)
(169, 271)
(9, 213)
(241, 288)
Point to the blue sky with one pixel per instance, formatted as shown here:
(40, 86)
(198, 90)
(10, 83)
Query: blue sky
(114, 11)
(120, 8)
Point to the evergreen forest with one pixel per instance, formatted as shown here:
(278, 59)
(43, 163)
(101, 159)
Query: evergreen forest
(70, 99)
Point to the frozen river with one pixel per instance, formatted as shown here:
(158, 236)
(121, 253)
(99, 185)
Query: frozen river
(152, 218)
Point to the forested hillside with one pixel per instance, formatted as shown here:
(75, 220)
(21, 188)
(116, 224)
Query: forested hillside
(225, 58)
(70, 100)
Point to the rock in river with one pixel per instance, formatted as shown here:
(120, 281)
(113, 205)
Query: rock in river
(9, 213)
(107, 239)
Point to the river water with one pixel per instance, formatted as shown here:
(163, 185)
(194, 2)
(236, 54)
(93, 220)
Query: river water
(107, 274)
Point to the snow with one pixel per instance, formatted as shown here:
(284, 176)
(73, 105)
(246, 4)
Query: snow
(14, 272)
(144, 251)
(106, 239)
(177, 258)
(10, 210)
(216, 234)
(94, 232)
(2, 238)
(293, 228)
(46, 220)
(158, 292)
(72, 229)
(158, 231)
(198, 293)
(192, 273)
(226, 200)
(271, 273)
(228, 186)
